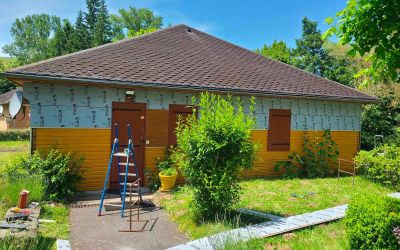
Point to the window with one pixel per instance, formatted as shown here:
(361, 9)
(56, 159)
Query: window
(279, 130)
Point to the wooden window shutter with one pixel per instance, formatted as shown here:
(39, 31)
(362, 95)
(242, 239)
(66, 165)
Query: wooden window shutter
(279, 130)
(176, 110)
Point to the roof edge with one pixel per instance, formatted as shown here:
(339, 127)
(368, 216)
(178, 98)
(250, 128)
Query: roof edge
(15, 75)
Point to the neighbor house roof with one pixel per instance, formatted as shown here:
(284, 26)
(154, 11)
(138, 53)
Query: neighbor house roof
(185, 58)
(6, 97)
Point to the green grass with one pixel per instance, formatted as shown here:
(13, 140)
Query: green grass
(10, 188)
(280, 197)
(178, 204)
(60, 228)
(327, 236)
(9, 150)
(289, 197)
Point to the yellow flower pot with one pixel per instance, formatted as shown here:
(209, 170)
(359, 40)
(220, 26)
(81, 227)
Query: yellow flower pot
(167, 182)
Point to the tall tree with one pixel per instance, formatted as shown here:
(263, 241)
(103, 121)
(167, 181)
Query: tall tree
(371, 26)
(310, 54)
(5, 85)
(278, 50)
(93, 7)
(134, 21)
(63, 40)
(32, 38)
(80, 39)
(102, 29)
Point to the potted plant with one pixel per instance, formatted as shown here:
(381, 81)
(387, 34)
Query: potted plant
(168, 172)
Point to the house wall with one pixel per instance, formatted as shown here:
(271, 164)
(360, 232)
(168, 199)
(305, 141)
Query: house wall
(78, 118)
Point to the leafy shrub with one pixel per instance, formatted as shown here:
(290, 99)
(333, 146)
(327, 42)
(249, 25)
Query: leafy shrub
(169, 172)
(382, 118)
(60, 171)
(15, 135)
(381, 164)
(213, 150)
(317, 160)
(152, 179)
(370, 220)
(166, 165)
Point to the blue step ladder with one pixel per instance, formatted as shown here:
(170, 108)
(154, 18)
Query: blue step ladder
(125, 187)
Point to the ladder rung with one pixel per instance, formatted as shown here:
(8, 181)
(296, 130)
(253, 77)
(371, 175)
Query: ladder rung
(123, 154)
(129, 184)
(129, 174)
(134, 191)
(124, 164)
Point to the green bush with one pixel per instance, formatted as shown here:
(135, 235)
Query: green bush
(370, 220)
(213, 150)
(15, 135)
(152, 179)
(61, 172)
(381, 118)
(169, 172)
(381, 164)
(317, 160)
(166, 165)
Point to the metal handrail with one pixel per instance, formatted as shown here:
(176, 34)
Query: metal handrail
(346, 172)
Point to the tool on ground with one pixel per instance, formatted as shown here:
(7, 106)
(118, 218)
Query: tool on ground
(130, 164)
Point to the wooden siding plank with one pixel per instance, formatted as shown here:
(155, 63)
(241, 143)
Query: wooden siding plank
(96, 151)
(157, 127)
(92, 144)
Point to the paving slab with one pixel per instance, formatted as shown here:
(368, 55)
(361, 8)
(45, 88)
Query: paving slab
(89, 231)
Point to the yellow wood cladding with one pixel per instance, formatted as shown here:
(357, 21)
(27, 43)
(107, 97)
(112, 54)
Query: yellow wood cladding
(94, 146)
(265, 162)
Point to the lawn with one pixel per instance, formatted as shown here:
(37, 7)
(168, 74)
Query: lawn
(11, 149)
(281, 197)
(48, 232)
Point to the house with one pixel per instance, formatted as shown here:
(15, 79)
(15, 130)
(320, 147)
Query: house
(21, 120)
(148, 80)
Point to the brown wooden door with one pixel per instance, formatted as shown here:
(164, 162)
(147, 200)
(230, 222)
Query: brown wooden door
(176, 110)
(124, 113)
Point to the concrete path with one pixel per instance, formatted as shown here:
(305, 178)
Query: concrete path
(274, 227)
(88, 231)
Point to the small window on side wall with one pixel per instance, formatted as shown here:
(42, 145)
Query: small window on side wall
(279, 130)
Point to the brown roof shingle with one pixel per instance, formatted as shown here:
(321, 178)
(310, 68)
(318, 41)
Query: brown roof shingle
(183, 57)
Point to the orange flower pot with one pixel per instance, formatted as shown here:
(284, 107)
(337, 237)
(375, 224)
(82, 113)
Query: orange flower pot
(167, 182)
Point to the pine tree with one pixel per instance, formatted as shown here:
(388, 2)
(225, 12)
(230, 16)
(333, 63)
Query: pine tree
(91, 15)
(80, 39)
(103, 31)
(62, 42)
(310, 54)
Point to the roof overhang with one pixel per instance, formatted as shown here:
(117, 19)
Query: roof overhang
(21, 77)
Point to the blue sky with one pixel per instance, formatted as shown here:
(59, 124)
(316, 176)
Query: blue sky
(249, 23)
